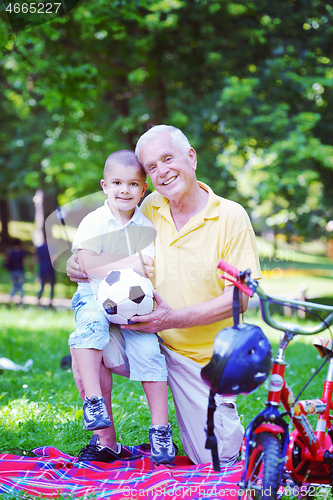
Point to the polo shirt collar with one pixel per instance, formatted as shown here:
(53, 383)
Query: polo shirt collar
(111, 218)
(209, 212)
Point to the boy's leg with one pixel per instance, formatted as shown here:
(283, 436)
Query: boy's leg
(88, 362)
(107, 437)
(103, 446)
(137, 355)
(157, 395)
(148, 365)
(91, 335)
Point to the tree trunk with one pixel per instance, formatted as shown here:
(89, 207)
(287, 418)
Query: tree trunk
(45, 203)
(4, 222)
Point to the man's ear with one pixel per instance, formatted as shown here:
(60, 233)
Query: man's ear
(193, 158)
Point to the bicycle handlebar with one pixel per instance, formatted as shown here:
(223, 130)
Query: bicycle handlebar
(228, 268)
(250, 286)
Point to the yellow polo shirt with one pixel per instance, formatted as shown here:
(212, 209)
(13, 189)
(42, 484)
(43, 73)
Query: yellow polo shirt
(186, 261)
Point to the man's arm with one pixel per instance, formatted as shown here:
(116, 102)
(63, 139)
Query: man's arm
(165, 318)
(77, 274)
(98, 265)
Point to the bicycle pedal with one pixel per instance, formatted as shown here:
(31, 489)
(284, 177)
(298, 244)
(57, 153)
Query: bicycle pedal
(328, 457)
(330, 433)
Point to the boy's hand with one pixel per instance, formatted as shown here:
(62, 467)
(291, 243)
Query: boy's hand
(144, 266)
(149, 268)
(74, 272)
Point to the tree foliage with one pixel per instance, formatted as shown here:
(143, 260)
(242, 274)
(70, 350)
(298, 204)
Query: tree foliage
(250, 83)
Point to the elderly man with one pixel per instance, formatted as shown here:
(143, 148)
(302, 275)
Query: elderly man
(195, 229)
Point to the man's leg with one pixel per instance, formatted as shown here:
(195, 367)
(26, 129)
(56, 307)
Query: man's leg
(190, 396)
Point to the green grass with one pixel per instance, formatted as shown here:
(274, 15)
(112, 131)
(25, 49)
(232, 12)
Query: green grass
(42, 407)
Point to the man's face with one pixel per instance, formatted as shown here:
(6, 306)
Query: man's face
(170, 167)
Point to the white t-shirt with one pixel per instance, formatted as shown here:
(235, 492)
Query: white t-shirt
(100, 231)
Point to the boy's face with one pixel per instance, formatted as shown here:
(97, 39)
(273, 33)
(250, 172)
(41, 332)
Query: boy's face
(124, 187)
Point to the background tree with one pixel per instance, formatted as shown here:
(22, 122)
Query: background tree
(250, 83)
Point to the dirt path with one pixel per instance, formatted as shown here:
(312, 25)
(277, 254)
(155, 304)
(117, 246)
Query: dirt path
(32, 300)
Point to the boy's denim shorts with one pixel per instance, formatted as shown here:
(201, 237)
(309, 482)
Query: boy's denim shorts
(91, 325)
(145, 362)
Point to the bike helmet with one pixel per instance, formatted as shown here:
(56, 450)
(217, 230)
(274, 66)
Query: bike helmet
(241, 361)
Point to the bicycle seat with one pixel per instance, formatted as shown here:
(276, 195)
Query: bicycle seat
(323, 345)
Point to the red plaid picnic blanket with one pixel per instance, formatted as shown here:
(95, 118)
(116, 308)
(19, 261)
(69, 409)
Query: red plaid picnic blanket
(52, 473)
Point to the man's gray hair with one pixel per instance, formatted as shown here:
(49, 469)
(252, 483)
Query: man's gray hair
(177, 135)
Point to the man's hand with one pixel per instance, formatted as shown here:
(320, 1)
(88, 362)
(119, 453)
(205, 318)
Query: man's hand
(162, 318)
(165, 318)
(74, 272)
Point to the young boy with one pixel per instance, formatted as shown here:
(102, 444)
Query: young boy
(103, 243)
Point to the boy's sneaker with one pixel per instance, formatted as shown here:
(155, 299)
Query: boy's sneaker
(162, 447)
(95, 414)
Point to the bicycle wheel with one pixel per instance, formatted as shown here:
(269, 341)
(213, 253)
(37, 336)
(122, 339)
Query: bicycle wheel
(263, 473)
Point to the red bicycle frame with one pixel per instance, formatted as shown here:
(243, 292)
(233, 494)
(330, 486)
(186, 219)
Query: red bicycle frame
(307, 453)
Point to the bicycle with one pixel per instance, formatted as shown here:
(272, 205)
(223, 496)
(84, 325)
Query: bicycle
(271, 456)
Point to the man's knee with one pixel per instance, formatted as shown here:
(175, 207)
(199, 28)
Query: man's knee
(230, 433)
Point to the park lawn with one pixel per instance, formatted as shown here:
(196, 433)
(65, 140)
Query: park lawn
(42, 407)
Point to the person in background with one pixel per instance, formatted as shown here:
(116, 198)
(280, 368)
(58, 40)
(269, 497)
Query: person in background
(46, 271)
(14, 263)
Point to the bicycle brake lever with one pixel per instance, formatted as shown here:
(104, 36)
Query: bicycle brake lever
(244, 288)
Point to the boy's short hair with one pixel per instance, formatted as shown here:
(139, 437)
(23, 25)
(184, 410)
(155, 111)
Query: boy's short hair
(124, 157)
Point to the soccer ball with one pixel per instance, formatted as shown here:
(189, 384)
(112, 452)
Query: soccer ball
(123, 294)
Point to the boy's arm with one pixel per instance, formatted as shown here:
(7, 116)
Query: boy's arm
(97, 266)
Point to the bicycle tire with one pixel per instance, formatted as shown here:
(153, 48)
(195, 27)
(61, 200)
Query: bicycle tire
(263, 474)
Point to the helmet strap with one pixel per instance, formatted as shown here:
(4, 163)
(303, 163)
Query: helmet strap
(235, 306)
(211, 443)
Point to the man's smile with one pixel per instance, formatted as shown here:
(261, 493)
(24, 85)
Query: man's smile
(166, 183)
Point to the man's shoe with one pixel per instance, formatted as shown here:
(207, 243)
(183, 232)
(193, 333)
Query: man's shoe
(93, 452)
(162, 448)
(95, 414)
